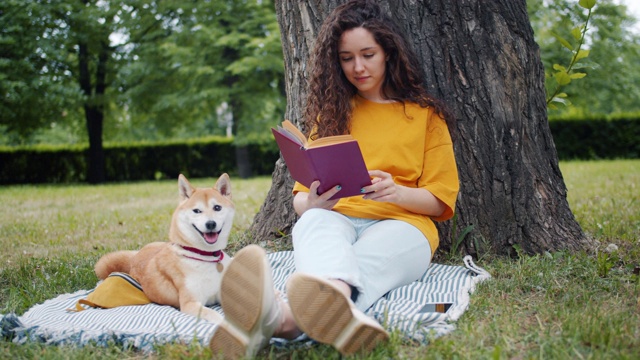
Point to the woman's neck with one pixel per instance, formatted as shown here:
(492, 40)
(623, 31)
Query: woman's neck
(377, 99)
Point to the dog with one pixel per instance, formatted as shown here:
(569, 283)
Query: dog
(186, 271)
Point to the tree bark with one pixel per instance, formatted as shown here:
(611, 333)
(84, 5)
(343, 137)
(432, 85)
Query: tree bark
(481, 59)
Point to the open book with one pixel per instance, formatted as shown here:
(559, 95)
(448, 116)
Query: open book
(333, 160)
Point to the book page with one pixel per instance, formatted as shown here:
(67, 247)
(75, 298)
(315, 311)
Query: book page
(330, 140)
(291, 131)
(294, 131)
(289, 135)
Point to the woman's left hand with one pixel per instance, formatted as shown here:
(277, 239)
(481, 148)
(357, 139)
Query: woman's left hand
(417, 200)
(382, 187)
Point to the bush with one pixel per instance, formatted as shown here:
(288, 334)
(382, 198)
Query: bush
(208, 157)
(596, 139)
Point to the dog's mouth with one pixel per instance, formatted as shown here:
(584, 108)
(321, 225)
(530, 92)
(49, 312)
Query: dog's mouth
(209, 237)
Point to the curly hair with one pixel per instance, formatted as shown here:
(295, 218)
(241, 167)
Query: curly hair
(330, 93)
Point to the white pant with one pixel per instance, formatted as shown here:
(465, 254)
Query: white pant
(374, 256)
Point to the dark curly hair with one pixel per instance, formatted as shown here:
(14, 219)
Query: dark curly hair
(330, 93)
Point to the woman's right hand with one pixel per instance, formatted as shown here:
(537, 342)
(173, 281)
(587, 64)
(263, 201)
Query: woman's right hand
(304, 201)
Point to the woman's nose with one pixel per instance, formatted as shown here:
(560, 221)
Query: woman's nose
(358, 66)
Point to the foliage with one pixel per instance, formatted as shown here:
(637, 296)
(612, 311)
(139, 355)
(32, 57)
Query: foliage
(154, 69)
(458, 237)
(592, 138)
(564, 75)
(36, 86)
(171, 64)
(612, 65)
(596, 138)
(132, 161)
(216, 57)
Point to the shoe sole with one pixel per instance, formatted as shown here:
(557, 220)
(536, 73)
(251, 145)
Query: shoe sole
(241, 293)
(325, 315)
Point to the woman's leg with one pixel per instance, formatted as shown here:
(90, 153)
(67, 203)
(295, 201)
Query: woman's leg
(323, 246)
(390, 254)
(373, 256)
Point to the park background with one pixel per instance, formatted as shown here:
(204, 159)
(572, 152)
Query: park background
(216, 81)
(106, 93)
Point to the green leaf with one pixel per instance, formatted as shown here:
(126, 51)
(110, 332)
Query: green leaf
(577, 75)
(587, 4)
(577, 32)
(588, 65)
(564, 42)
(559, 67)
(560, 100)
(562, 95)
(582, 54)
(562, 78)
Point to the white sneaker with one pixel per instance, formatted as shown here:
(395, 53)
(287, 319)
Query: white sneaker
(327, 316)
(251, 311)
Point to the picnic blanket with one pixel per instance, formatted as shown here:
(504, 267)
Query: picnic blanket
(145, 326)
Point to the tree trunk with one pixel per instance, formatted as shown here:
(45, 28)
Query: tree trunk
(243, 158)
(243, 161)
(94, 108)
(481, 59)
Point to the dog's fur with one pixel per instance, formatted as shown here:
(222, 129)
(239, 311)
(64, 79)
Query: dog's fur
(172, 275)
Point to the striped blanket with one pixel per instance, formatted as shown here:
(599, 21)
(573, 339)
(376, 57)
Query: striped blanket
(144, 326)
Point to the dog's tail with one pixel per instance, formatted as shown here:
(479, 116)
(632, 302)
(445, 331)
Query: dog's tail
(119, 261)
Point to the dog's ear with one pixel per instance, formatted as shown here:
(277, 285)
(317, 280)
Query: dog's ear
(223, 185)
(184, 188)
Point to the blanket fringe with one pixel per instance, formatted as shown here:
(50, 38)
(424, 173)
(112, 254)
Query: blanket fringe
(8, 324)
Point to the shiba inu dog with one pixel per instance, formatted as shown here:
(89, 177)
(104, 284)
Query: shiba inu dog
(186, 271)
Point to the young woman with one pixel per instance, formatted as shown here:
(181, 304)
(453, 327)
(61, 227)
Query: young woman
(365, 81)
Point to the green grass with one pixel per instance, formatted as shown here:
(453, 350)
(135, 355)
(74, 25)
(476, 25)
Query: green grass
(550, 306)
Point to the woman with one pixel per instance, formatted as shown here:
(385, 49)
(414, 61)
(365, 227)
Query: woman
(365, 81)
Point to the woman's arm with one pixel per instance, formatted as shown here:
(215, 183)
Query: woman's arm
(304, 201)
(417, 200)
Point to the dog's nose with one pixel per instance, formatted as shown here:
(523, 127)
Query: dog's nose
(210, 225)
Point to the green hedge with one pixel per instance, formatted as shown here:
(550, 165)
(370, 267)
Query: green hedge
(209, 157)
(42, 164)
(131, 162)
(596, 139)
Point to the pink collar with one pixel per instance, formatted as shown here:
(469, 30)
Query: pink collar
(206, 256)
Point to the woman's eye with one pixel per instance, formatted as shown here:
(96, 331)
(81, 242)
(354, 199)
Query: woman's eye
(217, 208)
(368, 55)
(345, 59)
(197, 211)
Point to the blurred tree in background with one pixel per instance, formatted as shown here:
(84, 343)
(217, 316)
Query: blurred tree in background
(137, 69)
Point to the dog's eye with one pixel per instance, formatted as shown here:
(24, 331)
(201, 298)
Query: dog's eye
(217, 207)
(197, 211)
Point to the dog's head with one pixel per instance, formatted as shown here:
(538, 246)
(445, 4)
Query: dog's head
(204, 216)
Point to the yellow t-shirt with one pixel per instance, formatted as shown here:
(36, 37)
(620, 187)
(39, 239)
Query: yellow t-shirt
(415, 148)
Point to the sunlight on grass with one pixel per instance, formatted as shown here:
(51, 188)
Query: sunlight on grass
(605, 198)
(43, 221)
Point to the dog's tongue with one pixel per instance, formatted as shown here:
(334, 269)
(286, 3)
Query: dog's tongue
(211, 237)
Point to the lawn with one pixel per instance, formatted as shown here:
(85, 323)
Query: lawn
(551, 306)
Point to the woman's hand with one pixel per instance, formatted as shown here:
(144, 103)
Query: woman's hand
(382, 187)
(418, 200)
(304, 201)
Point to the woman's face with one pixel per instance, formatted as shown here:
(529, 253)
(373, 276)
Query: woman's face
(363, 62)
